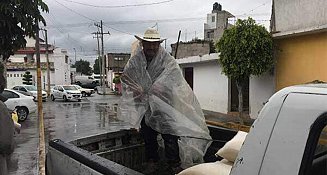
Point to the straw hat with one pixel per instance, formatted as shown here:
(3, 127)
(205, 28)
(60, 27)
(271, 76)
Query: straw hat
(151, 35)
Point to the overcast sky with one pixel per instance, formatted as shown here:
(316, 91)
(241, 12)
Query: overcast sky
(71, 22)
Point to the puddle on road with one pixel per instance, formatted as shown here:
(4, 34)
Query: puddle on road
(107, 114)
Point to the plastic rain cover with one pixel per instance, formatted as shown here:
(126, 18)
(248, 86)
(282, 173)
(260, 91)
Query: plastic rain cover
(160, 93)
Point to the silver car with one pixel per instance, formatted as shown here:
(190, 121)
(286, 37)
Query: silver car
(30, 90)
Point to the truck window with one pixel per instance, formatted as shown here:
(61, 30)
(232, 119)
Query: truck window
(315, 156)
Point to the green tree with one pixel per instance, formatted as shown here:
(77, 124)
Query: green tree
(83, 67)
(19, 18)
(245, 49)
(96, 68)
(27, 78)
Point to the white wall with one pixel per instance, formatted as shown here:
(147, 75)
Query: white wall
(62, 69)
(211, 87)
(211, 25)
(15, 78)
(261, 89)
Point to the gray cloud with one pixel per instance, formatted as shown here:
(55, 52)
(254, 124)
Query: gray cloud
(70, 30)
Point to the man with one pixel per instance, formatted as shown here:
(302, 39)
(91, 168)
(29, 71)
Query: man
(157, 98)
(6, 131)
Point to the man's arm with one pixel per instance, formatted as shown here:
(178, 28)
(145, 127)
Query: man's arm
(6, 131)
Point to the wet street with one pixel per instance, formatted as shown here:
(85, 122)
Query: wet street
(66, 121)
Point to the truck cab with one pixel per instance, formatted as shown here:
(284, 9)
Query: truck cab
(289, 136)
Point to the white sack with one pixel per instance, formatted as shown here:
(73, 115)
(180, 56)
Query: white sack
(231, 149)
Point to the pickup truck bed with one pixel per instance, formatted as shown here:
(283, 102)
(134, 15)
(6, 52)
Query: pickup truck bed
(116, 153)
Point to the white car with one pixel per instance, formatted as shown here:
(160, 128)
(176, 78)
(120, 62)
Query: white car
(30, 90)
(23, 104)
(66, 92)
(84, 91)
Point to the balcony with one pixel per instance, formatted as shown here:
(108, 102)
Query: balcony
(28, 66)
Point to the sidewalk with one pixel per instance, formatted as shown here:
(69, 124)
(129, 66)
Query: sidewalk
(227, 120)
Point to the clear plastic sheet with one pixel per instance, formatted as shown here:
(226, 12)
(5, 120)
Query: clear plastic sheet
(159, 92)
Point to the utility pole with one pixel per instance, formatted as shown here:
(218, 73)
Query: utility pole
(39, 105)
(103, 61)
(99, 62)
(179, 35)
(75, 55)
(48, 63)
(102, 54)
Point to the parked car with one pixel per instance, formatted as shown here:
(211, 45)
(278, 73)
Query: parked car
(23, 104)
(30, 90)
(84, 91)
(84, 80)
(66, 92)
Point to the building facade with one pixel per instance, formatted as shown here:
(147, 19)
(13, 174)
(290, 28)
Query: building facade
(25, 60)
(217, 23)
(215, 91)
(300, 34)
(115, 63)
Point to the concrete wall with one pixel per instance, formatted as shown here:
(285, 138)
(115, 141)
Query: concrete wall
(209, 85)
(300, 15)
(211, 24)
(15, 78)
(191, 49)
(260, 90)
(62, 68)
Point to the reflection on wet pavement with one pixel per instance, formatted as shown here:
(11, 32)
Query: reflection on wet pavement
(72, 120)
(66, 121)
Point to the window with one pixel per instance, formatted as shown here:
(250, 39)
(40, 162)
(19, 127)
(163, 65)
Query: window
(213, 19)
(15, 88)
(315, 156)
(60, 88)
(55, 88)
(10, 75)
(14, 75)
(22, 89)
(9, 94)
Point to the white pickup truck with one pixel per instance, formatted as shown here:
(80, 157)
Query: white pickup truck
(288, 138)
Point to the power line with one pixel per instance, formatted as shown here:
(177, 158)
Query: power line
(69, 39)
(255, 8)
(76, 12)
(142, 21)
(119, 6)
(90, 18)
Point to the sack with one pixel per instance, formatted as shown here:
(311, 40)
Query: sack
(231, 149)
(222, 167)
